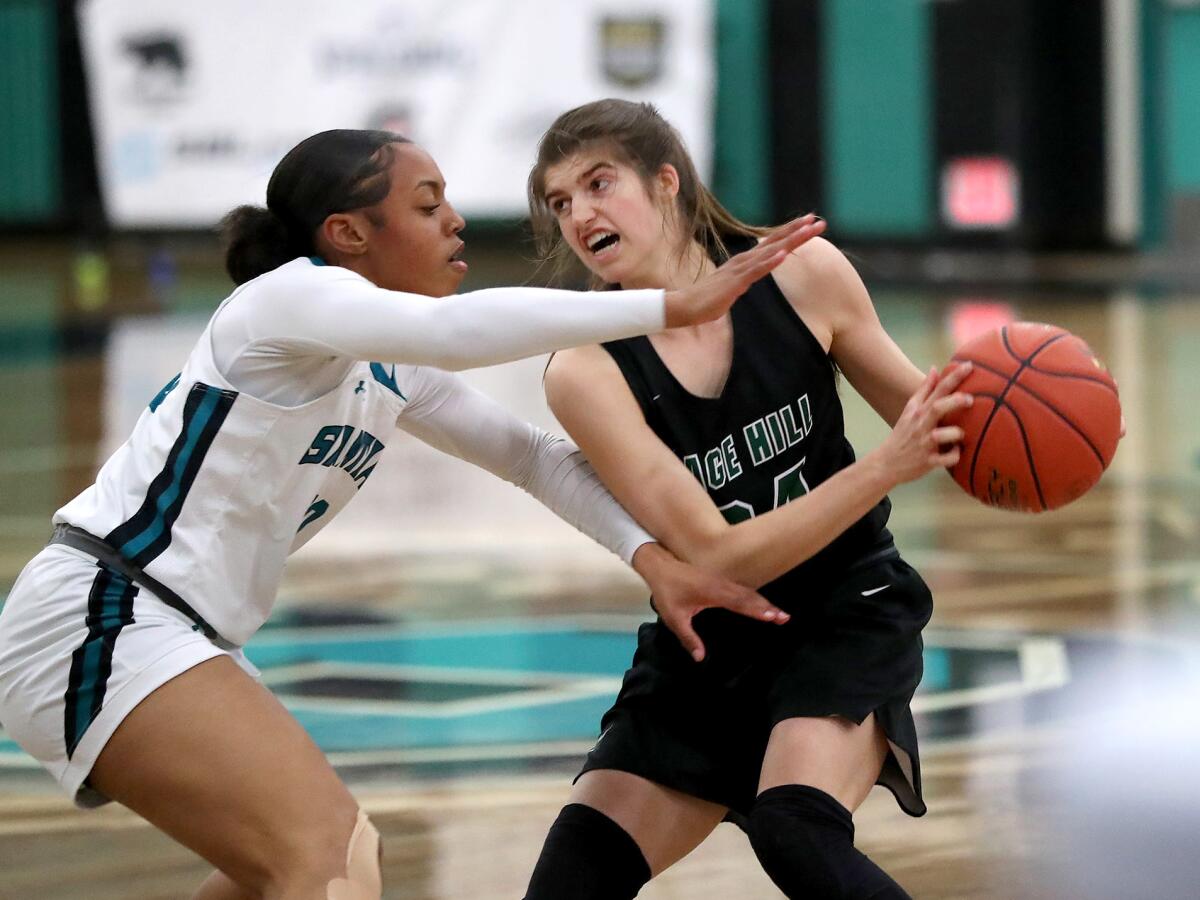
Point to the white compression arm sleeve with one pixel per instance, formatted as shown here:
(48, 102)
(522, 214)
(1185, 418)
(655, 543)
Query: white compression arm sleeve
(446, 413)
(326, 311)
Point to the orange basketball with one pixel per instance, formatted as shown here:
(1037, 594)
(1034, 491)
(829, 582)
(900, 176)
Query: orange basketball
(1045, 422)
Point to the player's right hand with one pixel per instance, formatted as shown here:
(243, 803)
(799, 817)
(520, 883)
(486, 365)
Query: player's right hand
(918, 443)
(711, 296)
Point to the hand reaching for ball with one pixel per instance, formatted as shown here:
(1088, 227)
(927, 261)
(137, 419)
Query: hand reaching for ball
(919, 441)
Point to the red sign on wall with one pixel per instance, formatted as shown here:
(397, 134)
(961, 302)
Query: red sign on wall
(980, 193)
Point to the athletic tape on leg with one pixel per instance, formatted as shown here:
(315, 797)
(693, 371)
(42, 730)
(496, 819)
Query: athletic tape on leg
(364, 880)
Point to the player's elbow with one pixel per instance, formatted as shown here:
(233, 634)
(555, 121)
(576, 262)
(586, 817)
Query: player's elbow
(455, 355)
(708, 547)
(544, 461)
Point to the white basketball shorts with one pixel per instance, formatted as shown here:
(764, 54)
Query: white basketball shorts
(80, 647)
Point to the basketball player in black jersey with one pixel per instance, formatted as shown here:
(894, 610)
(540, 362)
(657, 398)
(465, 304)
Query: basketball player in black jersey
(726, 441)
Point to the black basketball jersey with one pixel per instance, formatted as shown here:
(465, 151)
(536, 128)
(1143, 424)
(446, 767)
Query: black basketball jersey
(775, 432)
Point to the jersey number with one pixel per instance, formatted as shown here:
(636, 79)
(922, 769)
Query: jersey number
(788, 486)
(318, 508)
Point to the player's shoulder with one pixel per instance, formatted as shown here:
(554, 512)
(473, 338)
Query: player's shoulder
(576, 360)
(817, 260)
(819, 273)
(575, 371)
(285, 290)
(281, 279)
(303, 271)
(307, 271)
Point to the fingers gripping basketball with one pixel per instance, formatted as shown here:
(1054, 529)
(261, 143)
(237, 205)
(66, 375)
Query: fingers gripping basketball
(1045, 422)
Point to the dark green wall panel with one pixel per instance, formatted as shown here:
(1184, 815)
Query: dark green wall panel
(877, 99)
(740, 145)
(29, 111)
(1183, 101)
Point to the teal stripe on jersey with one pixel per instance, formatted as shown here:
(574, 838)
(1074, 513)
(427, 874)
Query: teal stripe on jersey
(148, 532)
(167, 498)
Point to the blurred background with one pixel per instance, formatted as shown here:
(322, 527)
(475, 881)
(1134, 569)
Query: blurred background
(449, 643)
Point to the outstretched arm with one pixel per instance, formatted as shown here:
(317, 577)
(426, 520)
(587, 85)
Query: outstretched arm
(329, 311)
(587, 393)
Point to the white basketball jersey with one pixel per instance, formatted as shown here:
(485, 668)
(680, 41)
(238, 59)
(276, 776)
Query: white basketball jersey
(214, 488)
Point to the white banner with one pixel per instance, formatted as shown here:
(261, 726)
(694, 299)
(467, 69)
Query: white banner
(194, 103)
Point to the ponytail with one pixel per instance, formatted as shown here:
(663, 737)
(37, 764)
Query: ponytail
(256, 241)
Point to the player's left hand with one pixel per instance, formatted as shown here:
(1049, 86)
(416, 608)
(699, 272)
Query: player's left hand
(681, 590)
(711, 296)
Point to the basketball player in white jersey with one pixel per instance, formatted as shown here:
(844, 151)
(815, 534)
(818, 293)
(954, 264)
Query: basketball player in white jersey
(120, 662)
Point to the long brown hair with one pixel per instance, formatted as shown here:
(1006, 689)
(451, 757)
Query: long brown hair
(641, 137)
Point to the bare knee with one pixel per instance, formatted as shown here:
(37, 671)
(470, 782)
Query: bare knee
(640, 807)
(336, 856)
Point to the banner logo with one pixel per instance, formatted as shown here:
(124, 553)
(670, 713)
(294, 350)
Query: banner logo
(160, 65)
(633, 50)
(395, 117)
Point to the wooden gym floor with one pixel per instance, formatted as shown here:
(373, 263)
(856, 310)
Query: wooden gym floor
(454, 658)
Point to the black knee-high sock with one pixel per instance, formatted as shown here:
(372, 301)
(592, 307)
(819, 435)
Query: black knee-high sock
(587, 856)
(804, 839)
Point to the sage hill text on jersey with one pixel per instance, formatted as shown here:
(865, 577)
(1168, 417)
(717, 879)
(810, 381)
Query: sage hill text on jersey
(760, 441)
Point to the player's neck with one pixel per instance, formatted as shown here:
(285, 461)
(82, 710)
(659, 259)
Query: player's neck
(671, 271)
(360, 265)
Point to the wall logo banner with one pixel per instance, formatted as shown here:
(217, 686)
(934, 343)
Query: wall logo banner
(194, 104)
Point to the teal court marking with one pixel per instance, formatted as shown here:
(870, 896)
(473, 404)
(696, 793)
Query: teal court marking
(533, 689)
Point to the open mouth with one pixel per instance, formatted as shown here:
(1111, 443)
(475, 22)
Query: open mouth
(456, 261)
(602, 241)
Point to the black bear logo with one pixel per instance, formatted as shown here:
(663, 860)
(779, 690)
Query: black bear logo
(161, 64)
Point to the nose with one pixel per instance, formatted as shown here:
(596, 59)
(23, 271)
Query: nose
(582, 211)
(454, 222)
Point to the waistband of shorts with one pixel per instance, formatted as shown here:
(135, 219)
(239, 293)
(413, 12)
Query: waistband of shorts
(882, 553)
(78, 539)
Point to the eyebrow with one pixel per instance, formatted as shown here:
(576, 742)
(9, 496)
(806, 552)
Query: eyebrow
(583, 177)
(435, 186)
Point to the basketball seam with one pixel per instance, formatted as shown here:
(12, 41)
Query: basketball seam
(1037, 482)
(985, 366)
(1029, 359)
(1090, 378)
(988, 423)
(1029, 362)
(1022, 363)
(979, 443)
(1040, 399)
(1066, 421)
(997, 372)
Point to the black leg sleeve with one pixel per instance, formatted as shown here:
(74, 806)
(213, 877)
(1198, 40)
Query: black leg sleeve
(804, 839)
(587, 856)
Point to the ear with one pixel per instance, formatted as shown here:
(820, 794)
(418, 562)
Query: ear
(667, 181)
(345, 234)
